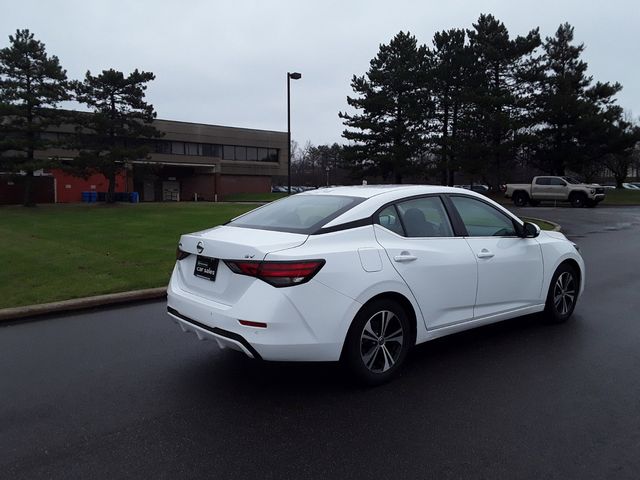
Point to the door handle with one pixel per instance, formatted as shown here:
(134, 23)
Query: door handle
(484, 253)
(405, 257)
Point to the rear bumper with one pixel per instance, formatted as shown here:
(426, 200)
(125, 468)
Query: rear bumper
(304, 323)
(223, 338)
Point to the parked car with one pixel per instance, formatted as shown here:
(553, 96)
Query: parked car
(556, 189)
(362, 274)
(630, 186)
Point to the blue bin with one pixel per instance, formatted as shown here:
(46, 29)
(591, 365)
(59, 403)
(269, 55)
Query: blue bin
(86, 197)
(133, 197)
(93, 197)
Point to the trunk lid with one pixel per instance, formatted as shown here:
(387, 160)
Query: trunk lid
(229, 243)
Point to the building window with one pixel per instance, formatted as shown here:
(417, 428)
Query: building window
(177, 148)
(273, 155)
(263, 155)
(209, 150)
(192, 148)
(241, 153)
(229, 152)
(162, 147)
(252, 154)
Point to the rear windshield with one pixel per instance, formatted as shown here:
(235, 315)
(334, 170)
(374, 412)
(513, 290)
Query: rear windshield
(297, 214)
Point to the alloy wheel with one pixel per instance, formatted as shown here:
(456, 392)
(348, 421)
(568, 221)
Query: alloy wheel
(381, 341)
(564, 293)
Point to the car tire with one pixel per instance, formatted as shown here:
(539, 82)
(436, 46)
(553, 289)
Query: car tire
(378, 341)
(578, 200)
(520, 199)
(562, 294)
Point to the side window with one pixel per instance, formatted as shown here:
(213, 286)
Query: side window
(425, 217)
(558, 182)
(542, 181)
(482, 220)
(388, 218)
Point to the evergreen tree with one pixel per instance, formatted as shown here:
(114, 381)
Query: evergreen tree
(393, 106)
(116, 131)
(450, 77)
(623, 142)
(574, 116)
(502, 95)
(32, 84)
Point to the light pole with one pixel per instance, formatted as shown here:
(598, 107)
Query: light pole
(327, 176)
(295, 76)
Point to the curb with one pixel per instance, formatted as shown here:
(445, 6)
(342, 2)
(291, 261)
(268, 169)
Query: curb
(7, 314)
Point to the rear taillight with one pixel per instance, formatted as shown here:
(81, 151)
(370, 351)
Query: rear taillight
(278, 274)
(180, 254)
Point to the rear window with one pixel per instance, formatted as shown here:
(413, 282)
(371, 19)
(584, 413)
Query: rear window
(297, 214)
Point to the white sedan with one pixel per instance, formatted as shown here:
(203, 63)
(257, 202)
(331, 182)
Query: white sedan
(362, 274)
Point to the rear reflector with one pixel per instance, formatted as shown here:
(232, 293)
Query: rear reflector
(278, 274)
(248, 323)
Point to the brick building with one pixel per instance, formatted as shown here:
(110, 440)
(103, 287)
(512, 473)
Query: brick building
(189, 160)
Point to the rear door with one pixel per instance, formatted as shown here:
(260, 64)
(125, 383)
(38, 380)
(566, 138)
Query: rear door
(540, 188)
(439, 268)
(509, 267)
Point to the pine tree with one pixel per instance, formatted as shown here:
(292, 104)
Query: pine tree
(623, 142)
(450, 76)
(116, 131)
(393, 105)
(32, 84)
(502, 95)
(575, 117)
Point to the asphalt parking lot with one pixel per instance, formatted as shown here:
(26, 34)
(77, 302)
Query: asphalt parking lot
(121, 392)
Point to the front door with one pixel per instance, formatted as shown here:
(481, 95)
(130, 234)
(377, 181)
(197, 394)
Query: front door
(439, 268)
(509, 267)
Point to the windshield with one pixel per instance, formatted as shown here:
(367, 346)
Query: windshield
(572, 180)
(297, 214)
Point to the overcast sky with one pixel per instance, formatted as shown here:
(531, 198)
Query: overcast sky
(225, 62)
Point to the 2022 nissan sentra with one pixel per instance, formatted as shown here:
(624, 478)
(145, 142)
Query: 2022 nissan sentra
(362, 274)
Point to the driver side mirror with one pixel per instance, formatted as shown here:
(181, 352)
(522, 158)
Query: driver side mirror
(530, 230)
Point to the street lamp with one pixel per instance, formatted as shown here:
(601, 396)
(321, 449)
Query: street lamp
(294, 76)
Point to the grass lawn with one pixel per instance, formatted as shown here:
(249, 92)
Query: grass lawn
(621, 196)
(58, 252)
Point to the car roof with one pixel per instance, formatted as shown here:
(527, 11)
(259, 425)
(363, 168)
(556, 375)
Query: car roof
(376, 196)
(368, 191)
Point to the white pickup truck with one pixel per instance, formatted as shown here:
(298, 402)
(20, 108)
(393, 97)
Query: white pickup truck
(555, 189)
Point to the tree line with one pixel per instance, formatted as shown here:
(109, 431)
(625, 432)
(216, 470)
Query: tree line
(33, 84)
(481, 102)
